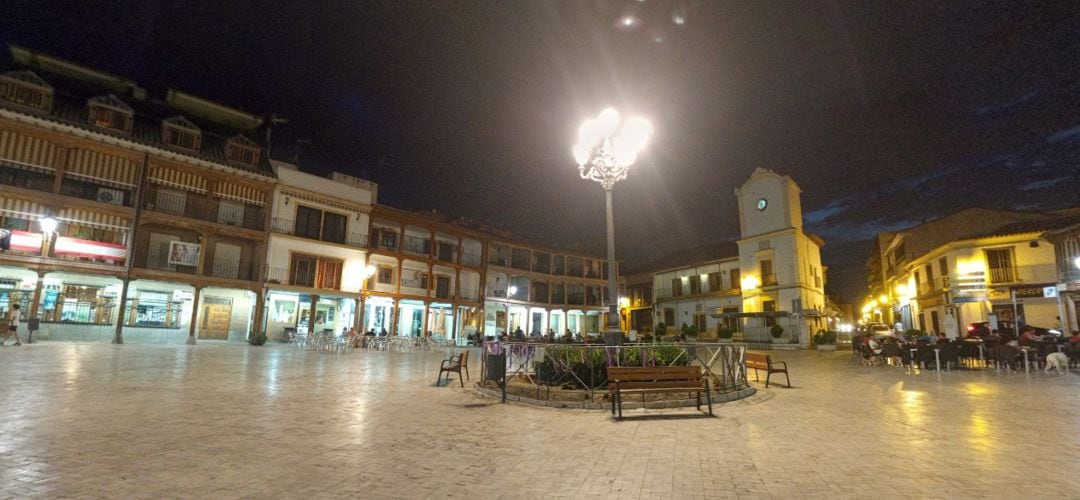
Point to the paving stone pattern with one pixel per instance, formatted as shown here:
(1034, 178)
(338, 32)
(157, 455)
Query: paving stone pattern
(213, 421)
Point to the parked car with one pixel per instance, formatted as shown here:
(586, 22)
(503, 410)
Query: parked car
(879, 330)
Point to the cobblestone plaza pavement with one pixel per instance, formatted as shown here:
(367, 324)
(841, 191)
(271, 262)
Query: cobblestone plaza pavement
(214, 421)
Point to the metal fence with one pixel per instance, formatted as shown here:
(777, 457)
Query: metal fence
(584, 367)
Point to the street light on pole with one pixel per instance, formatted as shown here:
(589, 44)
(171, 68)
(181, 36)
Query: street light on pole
(606, 148)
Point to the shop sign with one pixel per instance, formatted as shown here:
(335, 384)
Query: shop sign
(1050, 292)
(182, 295)
(90, 249)
(1033, 292)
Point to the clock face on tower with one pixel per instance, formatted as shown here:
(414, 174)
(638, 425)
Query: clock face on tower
(762, 203)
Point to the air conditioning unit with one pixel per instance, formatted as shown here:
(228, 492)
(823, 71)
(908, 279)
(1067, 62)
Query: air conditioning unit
(114, 196)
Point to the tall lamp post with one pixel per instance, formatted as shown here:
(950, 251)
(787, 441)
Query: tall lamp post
(605, 150)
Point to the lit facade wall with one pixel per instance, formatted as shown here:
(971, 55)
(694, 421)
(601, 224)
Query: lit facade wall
(967, 281)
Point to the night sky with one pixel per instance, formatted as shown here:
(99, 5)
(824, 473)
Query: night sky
(886, 113)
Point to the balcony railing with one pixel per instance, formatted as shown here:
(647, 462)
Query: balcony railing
(12, 174)
(277, 275)
(384, 287)
(470, 259)
(158, 258)
(416, 245)
(288, 226)
(768, 280)
(939, 284)
(231, 269)
(1037, 273)
(205, 208)
(472, 294)
(79, 188)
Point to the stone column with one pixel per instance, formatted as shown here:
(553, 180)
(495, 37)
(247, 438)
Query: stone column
(393, 318)
(194, 316)
(260, 312)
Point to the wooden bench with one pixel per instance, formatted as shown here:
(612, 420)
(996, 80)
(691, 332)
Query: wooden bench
(454, 364)
(763, 362)
(644, 380)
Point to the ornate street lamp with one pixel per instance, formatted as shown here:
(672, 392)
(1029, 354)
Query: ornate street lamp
(605, 150)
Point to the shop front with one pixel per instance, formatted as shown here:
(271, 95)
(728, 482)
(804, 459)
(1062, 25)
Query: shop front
(158, 312)
(470, 320)
(290, 313)
(378, 315)
(410, 319)
(440, 320)
(77, 307)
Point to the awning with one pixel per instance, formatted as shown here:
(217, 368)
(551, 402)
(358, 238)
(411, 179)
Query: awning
(237, 192)
(102, 168)
(177, 179)
(28, 152)
(93, 219)
(21, 209)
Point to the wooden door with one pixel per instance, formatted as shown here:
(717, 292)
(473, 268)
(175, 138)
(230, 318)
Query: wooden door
(216, 317)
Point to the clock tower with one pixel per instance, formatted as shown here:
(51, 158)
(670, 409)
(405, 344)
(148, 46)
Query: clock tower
(783, 282)
(768, 202)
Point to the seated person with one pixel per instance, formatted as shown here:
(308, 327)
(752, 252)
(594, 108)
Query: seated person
(942, 338)
(926, 338)
(874, 346)
(1029, 336)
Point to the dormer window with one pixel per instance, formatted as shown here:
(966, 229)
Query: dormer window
(180, 132)
(240, 149)
(26, 89)
(110, 112)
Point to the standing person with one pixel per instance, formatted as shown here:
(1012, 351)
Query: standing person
(13, 325)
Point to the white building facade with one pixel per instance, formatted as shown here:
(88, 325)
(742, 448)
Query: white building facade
(783, 281)
(317, 260)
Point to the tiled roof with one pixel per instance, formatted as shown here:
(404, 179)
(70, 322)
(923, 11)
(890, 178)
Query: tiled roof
(1030, 226)
(28, 77)
(110, 100)
(692, 256)
(70, 98)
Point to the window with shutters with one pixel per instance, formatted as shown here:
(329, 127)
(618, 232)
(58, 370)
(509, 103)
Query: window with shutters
(181, 133)
(111, 113)
(26, 89)
(240, 149)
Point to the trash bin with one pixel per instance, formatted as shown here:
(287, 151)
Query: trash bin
(32, 325)
(495, 367)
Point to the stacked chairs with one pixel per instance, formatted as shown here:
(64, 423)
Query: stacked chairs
(1007, 356)
(949, 354)
(925, 356)
(969, 352)
(892, 354)
(867, 355)
(1073, 352)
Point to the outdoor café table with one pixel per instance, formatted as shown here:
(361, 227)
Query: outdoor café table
(982, 349)
(937, 356)
(1027, 361)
